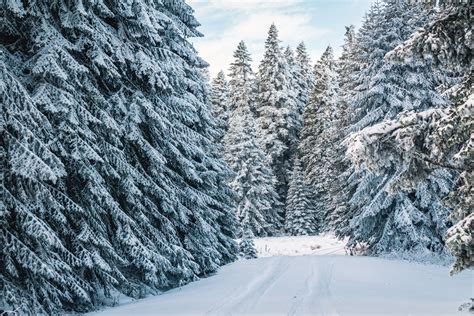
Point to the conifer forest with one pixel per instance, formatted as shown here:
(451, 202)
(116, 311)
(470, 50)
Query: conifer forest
(130, 171)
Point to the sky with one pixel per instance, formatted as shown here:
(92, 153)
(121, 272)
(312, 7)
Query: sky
(225, 23)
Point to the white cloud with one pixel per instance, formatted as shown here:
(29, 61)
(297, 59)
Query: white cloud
(243, 5)
(252, 27)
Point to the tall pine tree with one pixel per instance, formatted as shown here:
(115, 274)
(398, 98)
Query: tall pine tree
(111, 181)
(300, 215)
(391, 219)
(318, 140)
(220, 103)
(258, 206)
(422, 142)
(278, 122)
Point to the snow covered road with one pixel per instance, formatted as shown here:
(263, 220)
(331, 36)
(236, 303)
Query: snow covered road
(314, 285)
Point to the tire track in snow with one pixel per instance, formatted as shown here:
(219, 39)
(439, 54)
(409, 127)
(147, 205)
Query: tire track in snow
(244, 298)
(304, 294)
(255, 297)
(315, 297)
(323, 294)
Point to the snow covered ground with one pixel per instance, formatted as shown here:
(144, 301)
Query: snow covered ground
(312, 276)
(298, 246)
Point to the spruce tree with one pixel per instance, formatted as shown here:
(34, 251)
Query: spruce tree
(306, 77)
(220, 103)
(257, 206)
(110, 175)
(300, 216)
(246, 246)
(389, 219)
(337, 219)
(422, 142)
(278, 122)
(242, 93)
(319, 136)
(296, 82)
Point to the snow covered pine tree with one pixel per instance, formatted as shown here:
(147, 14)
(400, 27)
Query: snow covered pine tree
(391, 219)
(278, 120)
(220, 103)
(110, 179)
(247, 246)
(258, 205)
(319, 137)
(300, 216)
(420, 142)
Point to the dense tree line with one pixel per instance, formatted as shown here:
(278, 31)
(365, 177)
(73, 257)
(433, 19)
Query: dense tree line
(124, 171)
(371, 145)
(112, 182)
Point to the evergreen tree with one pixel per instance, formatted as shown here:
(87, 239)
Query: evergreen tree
(278, 122)
(300, 216)
(220, 102)
(242, 94)
(110, 178)
(422, 142)
(295, 81)
(389, 219)
(319, 136)
(258, 206)
(338, 220)
(306, 77)
(247, 246)
(242, 83)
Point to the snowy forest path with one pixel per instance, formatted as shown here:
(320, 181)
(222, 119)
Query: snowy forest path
(314, 283)
(246, 296)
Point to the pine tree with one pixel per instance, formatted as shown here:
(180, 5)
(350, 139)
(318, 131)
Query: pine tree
(390, 219)
(278, 122)
(242, 83)
(110, 175)
(295, 82)
(422, 142)
(318, 139)
(258, 206)
(300, 216)
(247, 246)
(306, 78)
(220, 103)
(338, 219)
(242, 93)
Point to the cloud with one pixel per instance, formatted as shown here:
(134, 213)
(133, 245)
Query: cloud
(250, 20)
(316, 22)
(243, 5)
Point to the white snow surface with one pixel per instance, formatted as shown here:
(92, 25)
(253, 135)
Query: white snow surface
(296, 277)
(298, 246)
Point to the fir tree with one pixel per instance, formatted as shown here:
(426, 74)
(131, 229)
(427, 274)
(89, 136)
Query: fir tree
(297, 86)
(300, 216)
(242, 93)
(258, 206)
(110, 175)
(422, 142)
(220, 102)
(306, 77)
(389, 219)
(278, 122)
(318, 139)
(247, 246)
(242, 83)
(337, 219)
